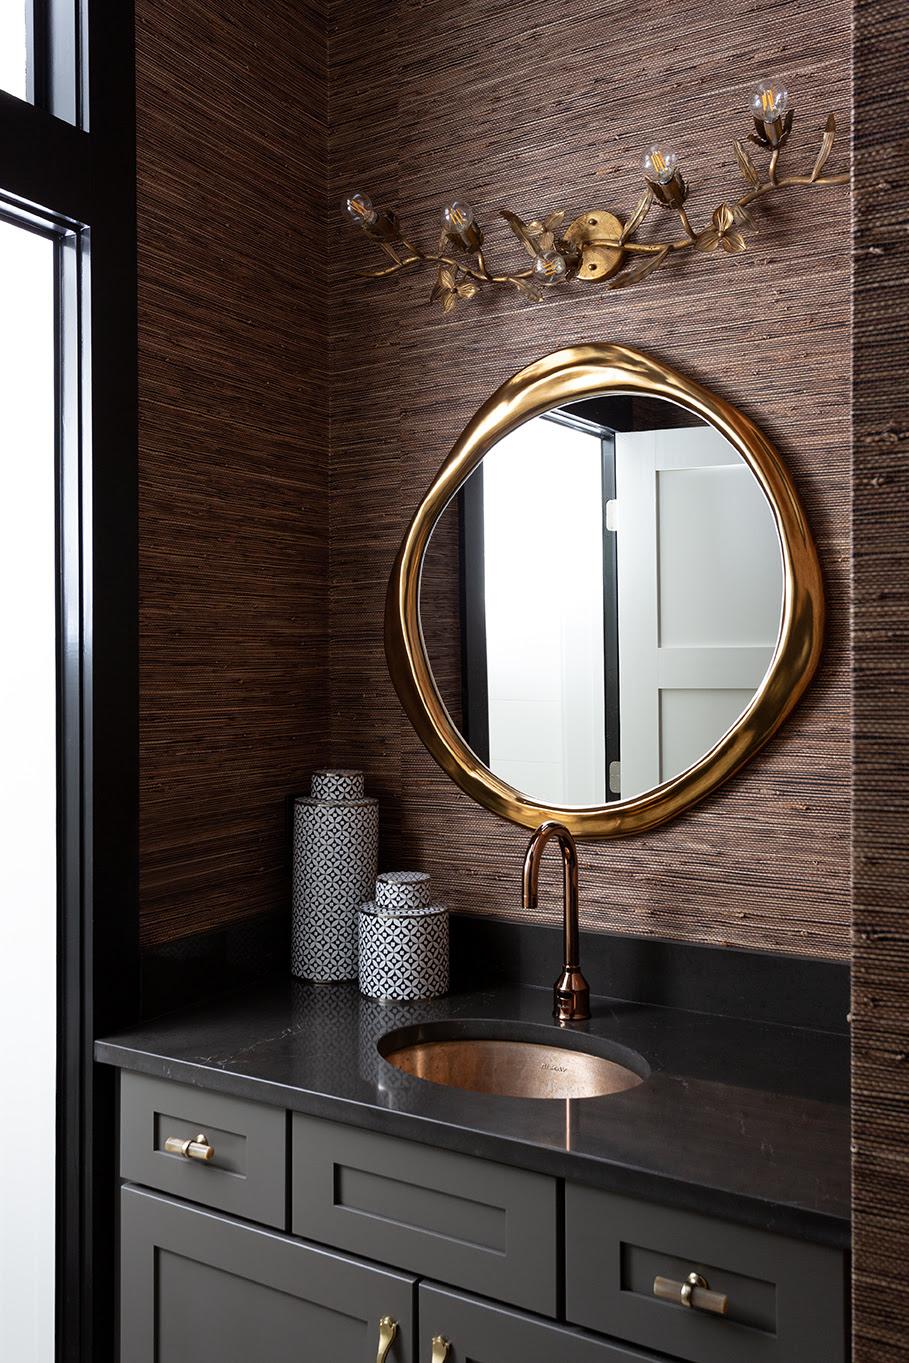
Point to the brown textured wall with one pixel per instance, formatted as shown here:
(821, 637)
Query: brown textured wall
(881, 644)
(516, 104)
(232, 132)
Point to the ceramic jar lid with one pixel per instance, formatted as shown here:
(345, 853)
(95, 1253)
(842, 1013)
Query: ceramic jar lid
(397, 891)
(337, 784)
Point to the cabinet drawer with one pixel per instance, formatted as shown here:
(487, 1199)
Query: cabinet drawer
(199, 1288)
(470, 1223)
(480, 1332)
(247, 1172)
(786, 1299)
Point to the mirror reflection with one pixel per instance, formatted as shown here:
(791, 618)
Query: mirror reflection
(602, 599)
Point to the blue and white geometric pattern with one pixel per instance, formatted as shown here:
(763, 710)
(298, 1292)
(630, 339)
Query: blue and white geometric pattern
(335, 853)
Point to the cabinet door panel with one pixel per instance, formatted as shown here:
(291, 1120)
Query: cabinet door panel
(198, 1287)
(481, 1332)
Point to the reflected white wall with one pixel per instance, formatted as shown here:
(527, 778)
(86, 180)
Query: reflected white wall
(543, 544)
(12, 47)
(28, 780)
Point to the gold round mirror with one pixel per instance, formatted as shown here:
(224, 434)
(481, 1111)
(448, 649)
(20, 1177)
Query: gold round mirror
(609, 598)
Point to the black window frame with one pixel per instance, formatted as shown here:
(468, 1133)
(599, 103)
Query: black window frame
(67, 169)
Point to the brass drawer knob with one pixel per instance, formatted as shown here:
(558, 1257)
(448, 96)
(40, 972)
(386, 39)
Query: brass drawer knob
(195, 1148)
(694, 1293)
(440, 1349)
(388, 1332)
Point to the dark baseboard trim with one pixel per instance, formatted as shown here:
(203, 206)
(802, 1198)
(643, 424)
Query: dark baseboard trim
(197, 969)
(793, 991)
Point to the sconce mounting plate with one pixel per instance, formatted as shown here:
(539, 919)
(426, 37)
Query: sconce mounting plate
(591, 232)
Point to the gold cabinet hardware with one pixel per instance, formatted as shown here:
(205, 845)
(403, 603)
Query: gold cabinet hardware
(694, 1293)
(440, 1347)
(388, 1333)
(196, 1147)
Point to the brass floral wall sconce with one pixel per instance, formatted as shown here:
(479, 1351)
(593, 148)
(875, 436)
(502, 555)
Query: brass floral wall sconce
(598, 246)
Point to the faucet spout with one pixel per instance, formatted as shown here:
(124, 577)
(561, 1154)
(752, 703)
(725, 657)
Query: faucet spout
(571, 1001)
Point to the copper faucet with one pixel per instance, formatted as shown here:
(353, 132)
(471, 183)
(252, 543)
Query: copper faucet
(571, 993)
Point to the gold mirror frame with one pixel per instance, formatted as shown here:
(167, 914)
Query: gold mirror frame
(567, 376)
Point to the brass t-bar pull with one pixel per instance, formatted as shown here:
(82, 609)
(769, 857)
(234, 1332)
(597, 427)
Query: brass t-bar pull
(440, 1347)
(195, 1148)
(694, 1293)
(388, 1333)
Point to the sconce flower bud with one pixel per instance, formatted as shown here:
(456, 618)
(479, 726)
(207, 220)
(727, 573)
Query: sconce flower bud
(772, 113)
(460, 225)
(550, 267)
(661, 171)
(359, 209)
(660, 164)
(382, 224)
(770, 102)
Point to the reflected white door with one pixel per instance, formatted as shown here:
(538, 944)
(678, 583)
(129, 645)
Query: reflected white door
(700, 594)
(28, 799)
(543, 537)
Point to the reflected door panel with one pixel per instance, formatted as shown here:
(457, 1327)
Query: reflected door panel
(701, 576)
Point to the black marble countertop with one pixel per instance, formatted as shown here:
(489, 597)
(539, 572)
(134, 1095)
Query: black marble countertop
(742, 1120)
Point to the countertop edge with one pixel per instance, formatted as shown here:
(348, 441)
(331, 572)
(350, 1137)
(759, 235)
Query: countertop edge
(780, 1219)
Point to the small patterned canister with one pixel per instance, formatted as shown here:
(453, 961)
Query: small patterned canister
(403, 942)
(336, 842)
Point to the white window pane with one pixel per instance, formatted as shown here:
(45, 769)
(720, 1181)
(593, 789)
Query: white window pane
(28, 799)
(13, 47)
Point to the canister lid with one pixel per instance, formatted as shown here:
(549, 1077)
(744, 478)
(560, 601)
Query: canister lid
(402, 890)
(337, 783)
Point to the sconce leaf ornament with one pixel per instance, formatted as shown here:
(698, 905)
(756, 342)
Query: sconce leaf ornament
(598, 246)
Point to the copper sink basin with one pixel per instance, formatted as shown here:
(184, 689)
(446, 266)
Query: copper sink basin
(527, 1066)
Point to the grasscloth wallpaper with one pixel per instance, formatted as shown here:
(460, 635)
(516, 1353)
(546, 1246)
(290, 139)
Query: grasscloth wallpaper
(260, 620)
(232, 107)
(881, 641)
(523, 107)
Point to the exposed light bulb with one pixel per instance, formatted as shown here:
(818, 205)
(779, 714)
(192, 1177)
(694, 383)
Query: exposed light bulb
(457, 218)
(770, 101)
(359, 209)
(550, 267)
(660, 164)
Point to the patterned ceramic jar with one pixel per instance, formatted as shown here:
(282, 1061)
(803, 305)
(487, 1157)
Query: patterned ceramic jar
(336, 843)
(404, 952)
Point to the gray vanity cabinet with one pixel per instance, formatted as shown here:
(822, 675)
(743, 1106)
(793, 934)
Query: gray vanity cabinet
(269, 1243)
(199, 1287)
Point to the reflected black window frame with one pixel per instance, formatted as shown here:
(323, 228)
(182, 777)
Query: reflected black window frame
(57, 59)
(67, 170)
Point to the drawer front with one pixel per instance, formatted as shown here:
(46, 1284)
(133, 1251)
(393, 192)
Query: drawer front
(247, 1172)
(786, 1299)
(479, 1332)
(473, 1224)
(200, 1288)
